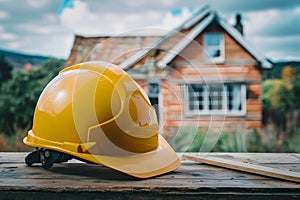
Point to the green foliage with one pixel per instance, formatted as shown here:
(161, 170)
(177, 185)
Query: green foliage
(235, 141)
(187, 139)
(280, 95)
(5, 70)
(19, 95)
(191, 139)
(288, 73)
(277, 70)
(232, 142)
(280, 99)
(292, 144)
(296, 90)
(281, 102)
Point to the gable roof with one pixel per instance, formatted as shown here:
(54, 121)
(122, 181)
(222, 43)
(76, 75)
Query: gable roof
(235, 34)
(107, 48)
(185, 41)
(265, 62)
(197, 23)
(138, 52)
(188, 23)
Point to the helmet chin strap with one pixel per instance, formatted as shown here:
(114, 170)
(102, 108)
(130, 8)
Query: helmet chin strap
(46, 157)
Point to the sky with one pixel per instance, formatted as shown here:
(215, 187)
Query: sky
(47, 27)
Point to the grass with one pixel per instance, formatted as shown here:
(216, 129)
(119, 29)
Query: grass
(193, 140)
(14, 142)
(293, 144)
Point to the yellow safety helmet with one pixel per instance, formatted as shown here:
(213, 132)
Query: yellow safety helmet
(95, 112)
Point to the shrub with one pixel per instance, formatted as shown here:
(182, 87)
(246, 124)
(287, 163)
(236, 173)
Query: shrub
(3, 143)
(190, 139)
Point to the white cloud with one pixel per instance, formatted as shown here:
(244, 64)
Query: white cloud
(153, 31)
(137, 3)
(38, 29)
(8, 36)
(274, 24)
(3, 14)
(278, 48)
(50, 17)
(13, 45)
(297, 10)
(52, 48)
(81, 20)
(37, 3)
(258, 22)
(46, 25)
(170, 20)
(168, 3)
(57, 46)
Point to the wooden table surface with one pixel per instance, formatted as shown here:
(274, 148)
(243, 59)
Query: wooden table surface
(77, 180)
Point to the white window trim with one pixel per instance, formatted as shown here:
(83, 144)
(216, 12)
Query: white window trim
(160, 104)
(206, 111)
(221, 58)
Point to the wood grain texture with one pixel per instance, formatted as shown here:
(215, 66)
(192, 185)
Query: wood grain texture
(246, 167)
(78, 180)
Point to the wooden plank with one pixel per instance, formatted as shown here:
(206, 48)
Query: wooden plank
(79, 180)
(63, 171)
(78, 175)
(261, 158)
(247, 167)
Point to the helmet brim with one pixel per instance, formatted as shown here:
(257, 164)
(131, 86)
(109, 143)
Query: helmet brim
(142, 165)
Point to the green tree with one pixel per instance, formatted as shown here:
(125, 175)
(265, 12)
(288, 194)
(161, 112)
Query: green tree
(5, 70)
(19, 95)
(296, 90)
(278, 95)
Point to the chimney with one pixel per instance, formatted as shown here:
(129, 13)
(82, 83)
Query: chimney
(238, 23)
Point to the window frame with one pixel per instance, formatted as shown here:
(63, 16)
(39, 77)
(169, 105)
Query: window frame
(160, 97)
(225, 105)
(221, 47)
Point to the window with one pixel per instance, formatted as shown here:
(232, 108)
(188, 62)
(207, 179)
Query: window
(214, 47)
(228, 99)
(153, 93)
(153, 89)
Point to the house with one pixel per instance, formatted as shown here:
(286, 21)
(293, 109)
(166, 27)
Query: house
(203, 73)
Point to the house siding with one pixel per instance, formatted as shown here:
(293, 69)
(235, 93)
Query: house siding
(190, 67)
(109, 49)
(240, 66)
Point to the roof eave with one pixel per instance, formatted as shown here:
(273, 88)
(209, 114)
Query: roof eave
(265, 63)
(185, 41)
(185, 25)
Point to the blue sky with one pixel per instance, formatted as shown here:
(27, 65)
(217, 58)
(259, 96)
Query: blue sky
(47, 27)
(65, 5)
